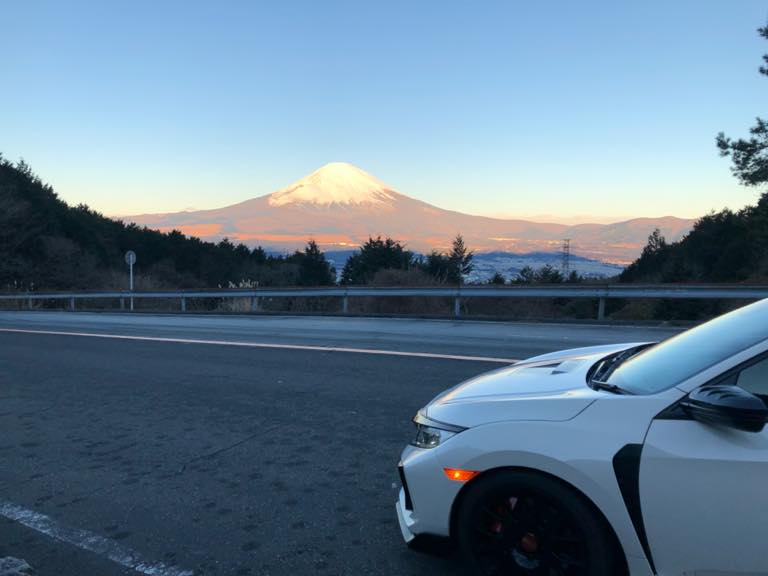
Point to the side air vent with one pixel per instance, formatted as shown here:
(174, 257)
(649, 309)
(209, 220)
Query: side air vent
(408, 501)
(626, 466)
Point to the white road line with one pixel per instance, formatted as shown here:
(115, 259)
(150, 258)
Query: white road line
(89, 541)
(268, 345)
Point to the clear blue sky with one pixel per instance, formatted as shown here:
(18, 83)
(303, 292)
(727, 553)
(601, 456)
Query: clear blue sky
(606, 108)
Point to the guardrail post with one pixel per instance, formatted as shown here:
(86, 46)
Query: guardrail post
(345, 304)
(29, 303)
(457, 306)
(122, 303)
(254, 303)
(131, 302)
(601, 308)
(183, 304)
(72, 304)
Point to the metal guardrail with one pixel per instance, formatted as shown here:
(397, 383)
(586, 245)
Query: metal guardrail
(596, 291)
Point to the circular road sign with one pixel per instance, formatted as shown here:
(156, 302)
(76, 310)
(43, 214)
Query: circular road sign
(130, 257)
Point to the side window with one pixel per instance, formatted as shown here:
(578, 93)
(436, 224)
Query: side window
(755, 378)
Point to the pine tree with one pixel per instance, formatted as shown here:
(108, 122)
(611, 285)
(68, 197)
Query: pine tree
(749, 156)
(314, 269)
(460, 260)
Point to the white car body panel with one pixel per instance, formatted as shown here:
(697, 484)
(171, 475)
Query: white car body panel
(595, 351)
(540, 414)
(481, 404)
(515, 392)
(716, 476)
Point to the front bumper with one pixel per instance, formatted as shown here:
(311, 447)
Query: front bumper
(425, 500)
(404, 518)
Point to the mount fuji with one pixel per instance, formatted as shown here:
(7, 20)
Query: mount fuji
(340, 206)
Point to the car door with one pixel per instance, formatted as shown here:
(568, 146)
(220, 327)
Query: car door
(703, 490)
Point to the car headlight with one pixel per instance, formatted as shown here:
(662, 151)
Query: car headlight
(430, 433)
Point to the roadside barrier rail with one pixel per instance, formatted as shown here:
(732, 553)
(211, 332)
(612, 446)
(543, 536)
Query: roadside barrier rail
(600, 292)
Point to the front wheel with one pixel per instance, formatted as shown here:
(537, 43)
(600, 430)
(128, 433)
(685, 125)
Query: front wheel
(520, 523)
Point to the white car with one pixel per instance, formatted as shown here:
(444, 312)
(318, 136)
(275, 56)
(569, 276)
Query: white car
(633, 459)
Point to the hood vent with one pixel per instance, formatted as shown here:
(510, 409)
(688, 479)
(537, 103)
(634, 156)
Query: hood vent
(567, 366)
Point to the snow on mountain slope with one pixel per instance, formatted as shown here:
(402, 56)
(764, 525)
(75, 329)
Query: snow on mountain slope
(337, 183)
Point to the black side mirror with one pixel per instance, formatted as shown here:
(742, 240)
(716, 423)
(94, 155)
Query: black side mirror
(727, 405)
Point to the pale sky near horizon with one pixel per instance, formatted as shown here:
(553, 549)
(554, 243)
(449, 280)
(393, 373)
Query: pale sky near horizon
(556, 109)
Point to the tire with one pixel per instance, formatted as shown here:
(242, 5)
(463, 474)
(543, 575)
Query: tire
(518, 522)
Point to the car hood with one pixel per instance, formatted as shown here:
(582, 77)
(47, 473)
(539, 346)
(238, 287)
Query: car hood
(551, 387)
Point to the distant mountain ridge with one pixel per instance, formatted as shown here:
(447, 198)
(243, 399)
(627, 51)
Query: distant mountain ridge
(340, 206)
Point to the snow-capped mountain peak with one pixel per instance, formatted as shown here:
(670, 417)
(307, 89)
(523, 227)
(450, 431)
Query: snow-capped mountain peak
(337, 183)
(342, 206)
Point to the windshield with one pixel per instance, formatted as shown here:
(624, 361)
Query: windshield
(677, 359)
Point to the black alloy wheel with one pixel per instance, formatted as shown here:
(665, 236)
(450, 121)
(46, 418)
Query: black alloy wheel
(519, 523)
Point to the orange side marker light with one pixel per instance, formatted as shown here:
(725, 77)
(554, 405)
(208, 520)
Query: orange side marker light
(460, 475)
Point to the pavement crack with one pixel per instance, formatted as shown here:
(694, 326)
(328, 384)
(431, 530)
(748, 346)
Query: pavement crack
(213, 454)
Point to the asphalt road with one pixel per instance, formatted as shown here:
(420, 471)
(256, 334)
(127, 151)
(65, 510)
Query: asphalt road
(177, 456)
(494, 339)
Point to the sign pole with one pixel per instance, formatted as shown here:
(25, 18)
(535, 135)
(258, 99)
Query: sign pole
(130, 259)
